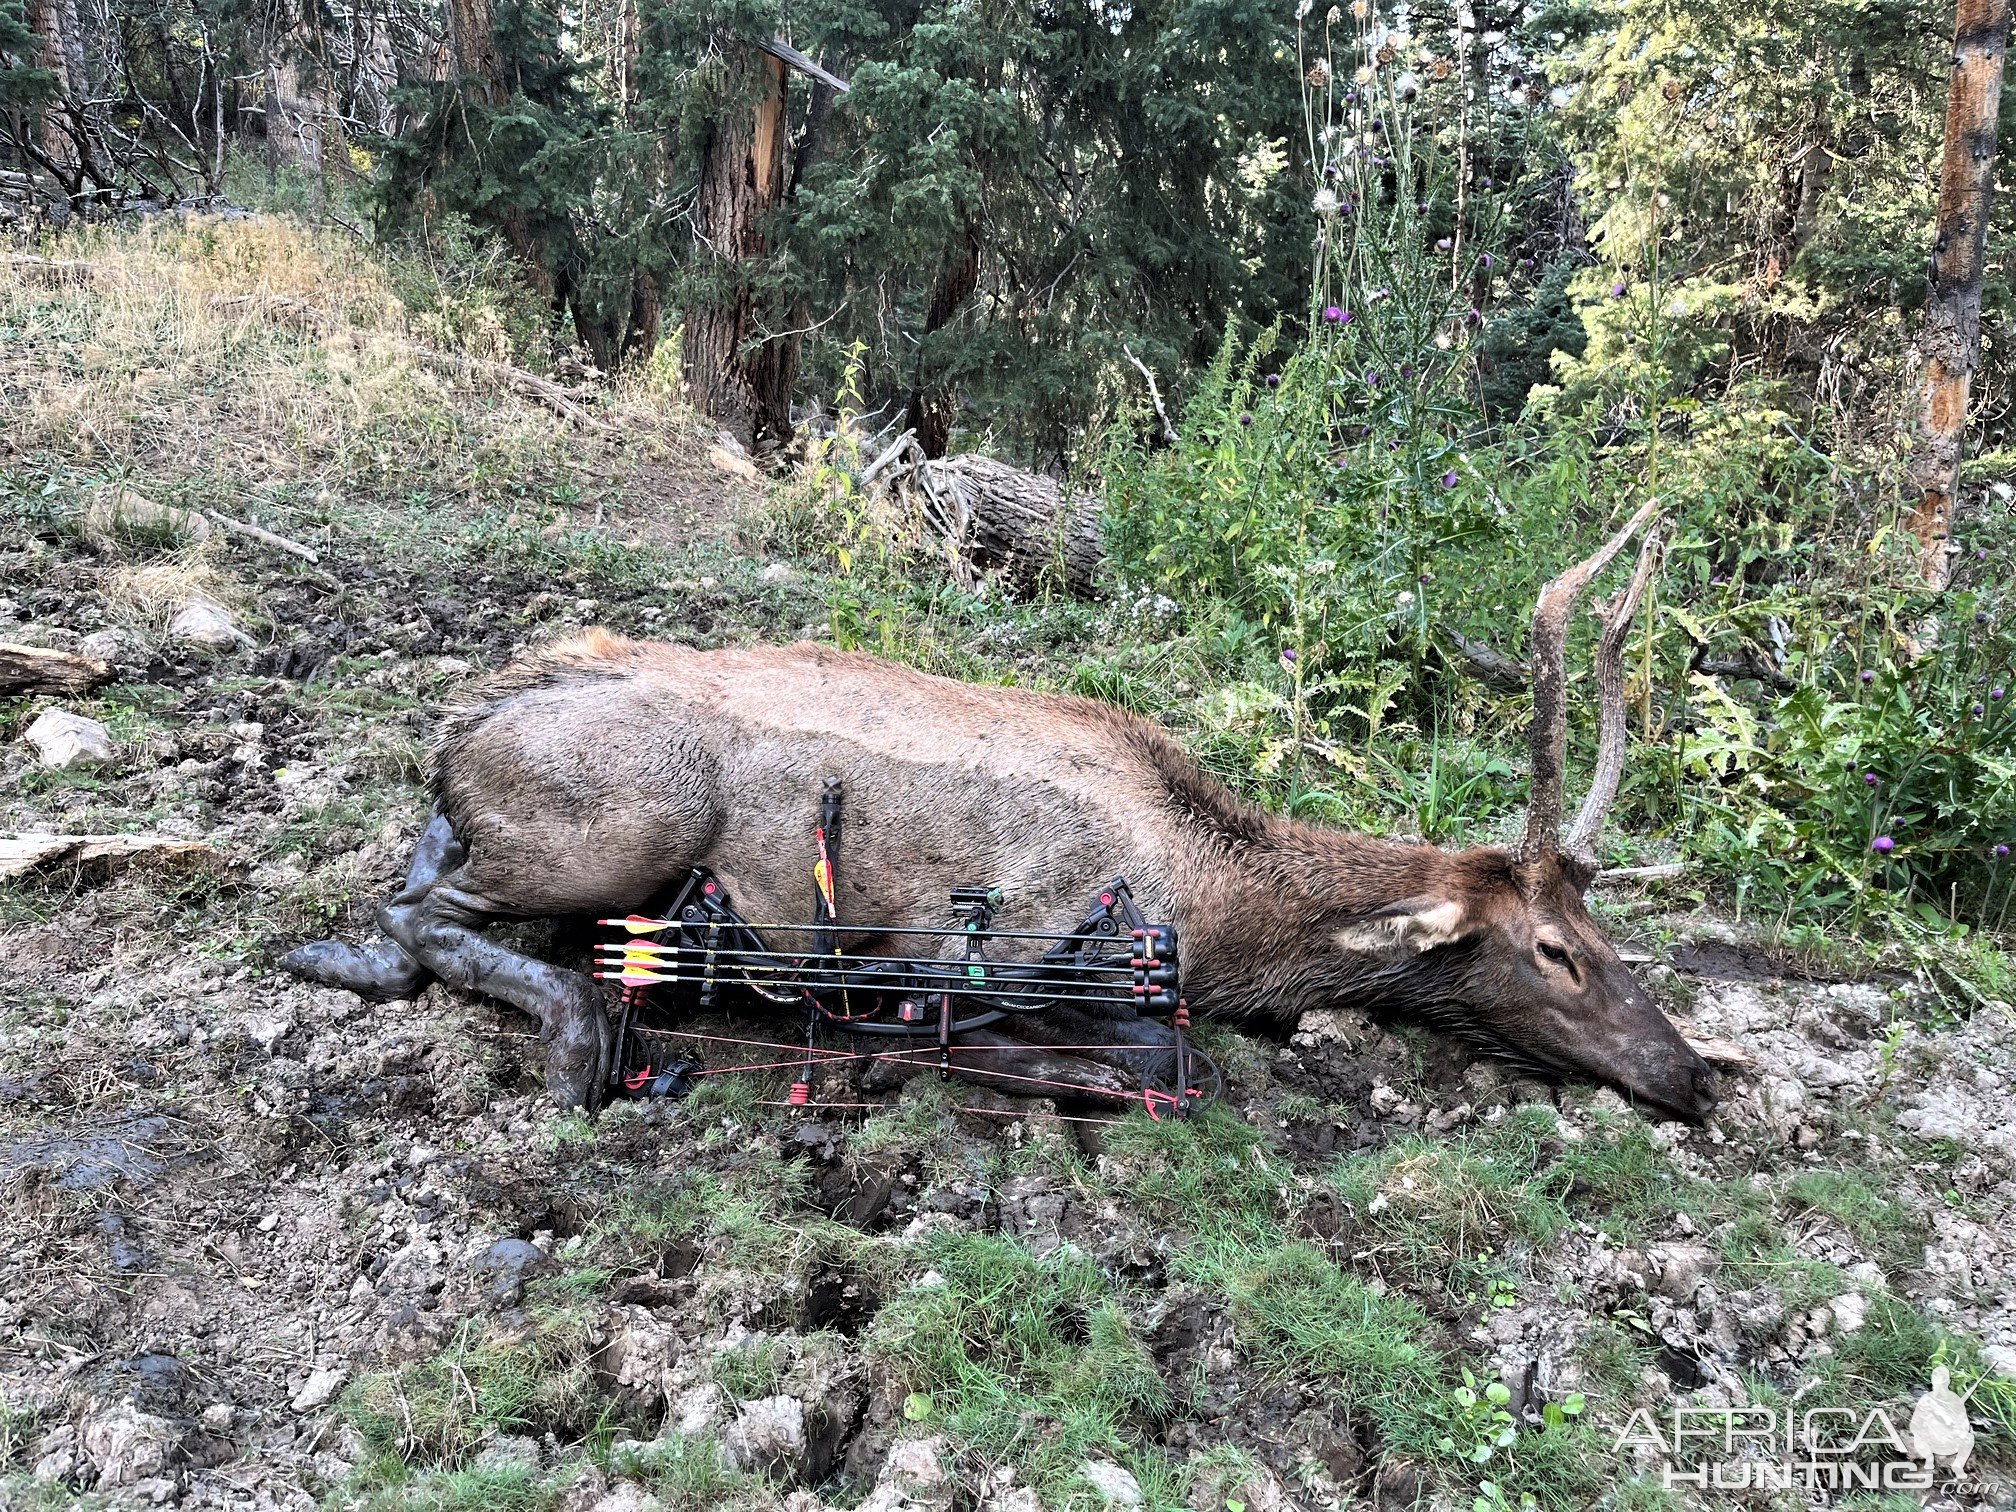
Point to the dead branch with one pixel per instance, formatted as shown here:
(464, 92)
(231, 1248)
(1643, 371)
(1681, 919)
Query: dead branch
(35, 669)
(264, 536)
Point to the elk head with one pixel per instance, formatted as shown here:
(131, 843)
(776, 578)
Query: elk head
(1502, 945)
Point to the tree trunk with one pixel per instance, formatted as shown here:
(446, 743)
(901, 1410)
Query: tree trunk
(931, 406)
(734, 373)
(477, 68)
(1949, 347)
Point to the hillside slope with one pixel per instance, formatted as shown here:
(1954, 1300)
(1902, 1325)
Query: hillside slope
(274, 1246)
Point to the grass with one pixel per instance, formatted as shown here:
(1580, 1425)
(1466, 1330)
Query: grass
(435, 1411)
(1028, 1359)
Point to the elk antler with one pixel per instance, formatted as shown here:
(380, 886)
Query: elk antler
(1581, 841)
(1547, 649)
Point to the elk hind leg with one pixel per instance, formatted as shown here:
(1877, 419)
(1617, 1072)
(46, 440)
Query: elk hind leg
(381, 968)
(441, 928)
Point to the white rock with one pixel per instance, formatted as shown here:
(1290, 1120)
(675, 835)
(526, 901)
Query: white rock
(64, 740)
(767, 1435)
(1112, 1482)
(509, 1451)
(1851, 1311)
(320, 1390)
(626, 1496)
(1999, 1358)
(110, 645)
(205, 624)
(128, 1445)
(698, 1411)
(778, 572)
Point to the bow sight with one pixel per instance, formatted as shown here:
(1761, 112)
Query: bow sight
(928, 985)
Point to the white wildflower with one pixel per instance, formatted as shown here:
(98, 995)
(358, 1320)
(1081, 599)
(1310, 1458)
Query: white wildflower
(1326, 203)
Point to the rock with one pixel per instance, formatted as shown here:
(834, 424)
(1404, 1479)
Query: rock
(319, 1390)
(114, 646)
(64, 740)
(56, 1454)
(1112, 1482)
(1681, 1267)
(208, 625)
(127, 1446)
(912, 1479)
(626, 1496)
(767, 1436)
(509, 1451)
(1851, 1311)
(2000, 1358)
(778, 572)
(121, 516)
(697, 1412)
(503, 1269)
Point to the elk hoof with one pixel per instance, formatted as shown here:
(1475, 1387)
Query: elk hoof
(379, 970)
(577, 1039)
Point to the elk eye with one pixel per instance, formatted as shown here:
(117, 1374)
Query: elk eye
(1559, 957)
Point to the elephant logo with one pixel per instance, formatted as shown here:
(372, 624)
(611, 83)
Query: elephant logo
(1939, 1426)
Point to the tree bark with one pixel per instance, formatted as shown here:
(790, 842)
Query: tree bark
(36, 669)
(1949, 347)
(931, 406)
(734, 373)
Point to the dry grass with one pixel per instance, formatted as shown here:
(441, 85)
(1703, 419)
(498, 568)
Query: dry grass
(261, 364)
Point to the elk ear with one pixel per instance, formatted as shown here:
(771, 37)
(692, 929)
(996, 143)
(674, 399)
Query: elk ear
(1415, 924)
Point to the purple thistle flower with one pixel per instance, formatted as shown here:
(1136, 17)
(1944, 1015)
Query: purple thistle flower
(1995, 694)
(1371, 378)
(1978, 710)
(1718, 579)
(1868, 676)
(1485, 260)
(1449, 478)
(1273, 380)
(1392, 445)
(1332, 314)
(1871, 778)
(2001, 851)
(1475, 317)
(1424, 577)
(1617, 290)
(1287, 656)
(1981, 553)
(1245, 419)
(1527, 262)
(1444, 244)
(1406, 370)
(1883, 845)
(1484, 182)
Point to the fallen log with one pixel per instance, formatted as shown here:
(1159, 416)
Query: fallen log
(35, 669)
(996, 520)
(22, 854)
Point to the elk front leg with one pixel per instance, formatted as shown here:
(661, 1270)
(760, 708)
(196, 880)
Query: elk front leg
(441, 928)
(381, 969)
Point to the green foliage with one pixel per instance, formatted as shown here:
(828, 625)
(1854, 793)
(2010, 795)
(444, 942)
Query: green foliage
(20, 84)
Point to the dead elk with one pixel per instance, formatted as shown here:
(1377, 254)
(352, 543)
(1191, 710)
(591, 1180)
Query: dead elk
(597, 772)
